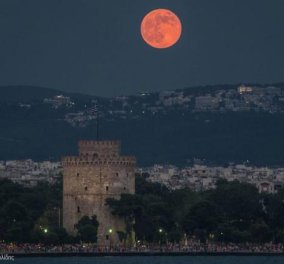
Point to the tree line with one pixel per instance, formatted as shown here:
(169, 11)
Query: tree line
(232, 212)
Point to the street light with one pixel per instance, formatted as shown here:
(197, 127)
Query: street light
(45, 230)
(160, 237)
(110, 232)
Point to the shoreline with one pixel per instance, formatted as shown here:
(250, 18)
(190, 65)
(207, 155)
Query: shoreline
(144, 254)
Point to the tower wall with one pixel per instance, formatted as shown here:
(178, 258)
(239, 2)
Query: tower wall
(98, 173)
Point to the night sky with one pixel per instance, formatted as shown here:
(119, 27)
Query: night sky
(95, 46)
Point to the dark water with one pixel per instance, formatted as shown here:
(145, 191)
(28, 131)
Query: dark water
(151, 260)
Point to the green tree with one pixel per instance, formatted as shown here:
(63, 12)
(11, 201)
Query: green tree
(239, 203)
(88, 229)
(15, 222)
(204, 215)
(261, 232)
(127, 207)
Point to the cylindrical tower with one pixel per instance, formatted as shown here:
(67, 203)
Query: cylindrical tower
(98, 173)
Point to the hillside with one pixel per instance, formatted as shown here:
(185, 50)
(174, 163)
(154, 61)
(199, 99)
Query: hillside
(25, 93)
(48, 129)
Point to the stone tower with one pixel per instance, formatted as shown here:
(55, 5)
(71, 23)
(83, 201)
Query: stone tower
(99, 172)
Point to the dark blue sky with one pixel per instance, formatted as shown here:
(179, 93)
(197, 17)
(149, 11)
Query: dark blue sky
(94, 46)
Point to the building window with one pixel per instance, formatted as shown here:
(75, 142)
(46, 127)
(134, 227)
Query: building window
(107, 188)
(78, 209)
(78, 174)
(107, 237)
(86, 188)
(124, 188)
(116, 174)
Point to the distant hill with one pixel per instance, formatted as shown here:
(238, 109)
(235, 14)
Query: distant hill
(25, 93)
(201, 90)
(172, 136)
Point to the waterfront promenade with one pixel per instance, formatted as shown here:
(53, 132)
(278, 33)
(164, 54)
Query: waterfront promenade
(23, 250)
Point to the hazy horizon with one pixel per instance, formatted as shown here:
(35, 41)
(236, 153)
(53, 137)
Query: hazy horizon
(143, 91)
(95, 46)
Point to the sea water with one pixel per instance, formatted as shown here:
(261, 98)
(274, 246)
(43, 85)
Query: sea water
(151, 260)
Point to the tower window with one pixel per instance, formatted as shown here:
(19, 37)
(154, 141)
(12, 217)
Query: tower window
(78, 209)
(86, 188)
(107, 188)
(78, 174)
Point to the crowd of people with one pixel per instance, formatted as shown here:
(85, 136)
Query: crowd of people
(189, 247)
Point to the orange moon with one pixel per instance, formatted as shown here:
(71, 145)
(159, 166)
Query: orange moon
(161, 28)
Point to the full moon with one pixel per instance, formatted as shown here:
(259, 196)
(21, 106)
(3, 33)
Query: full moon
(161, 28)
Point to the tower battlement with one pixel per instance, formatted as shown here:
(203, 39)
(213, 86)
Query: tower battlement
(99, 143)
(86, 160)
(99, 148)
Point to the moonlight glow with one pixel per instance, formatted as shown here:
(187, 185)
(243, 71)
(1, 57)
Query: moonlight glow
(161, 28)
